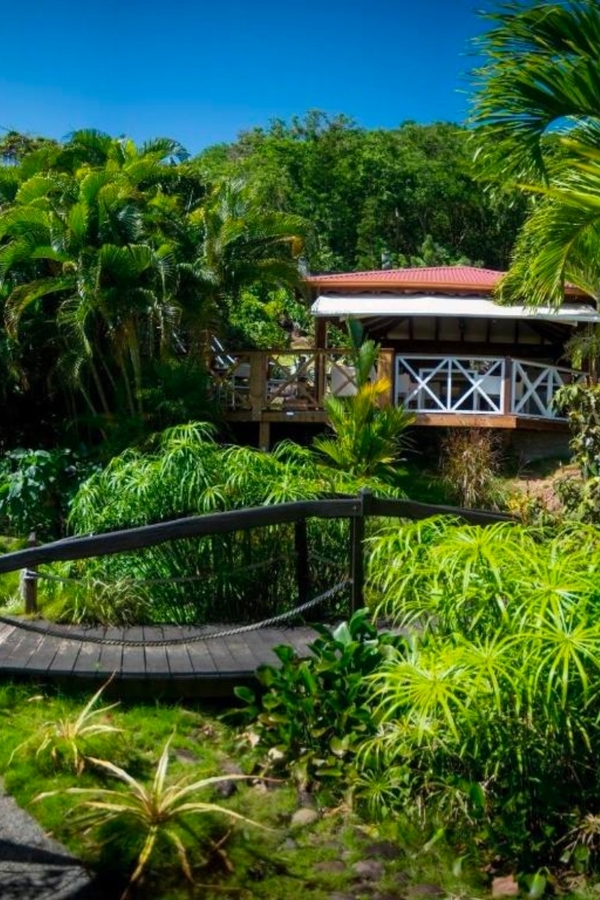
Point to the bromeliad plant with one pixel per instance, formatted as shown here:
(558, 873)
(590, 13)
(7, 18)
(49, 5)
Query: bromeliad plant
(495, 709)
(314, 713)
(156, 814)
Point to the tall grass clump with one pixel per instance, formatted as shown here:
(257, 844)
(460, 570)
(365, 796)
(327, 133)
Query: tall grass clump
(470, 462)
(494, 713)
(232, 577)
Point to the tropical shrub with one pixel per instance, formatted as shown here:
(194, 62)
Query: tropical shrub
(313, 713)
(237, 577)
(495, 710)
(35, 489)
(368, 438)
(470, 465)
(581, 494)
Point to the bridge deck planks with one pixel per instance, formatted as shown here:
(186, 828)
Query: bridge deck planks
(179, 664)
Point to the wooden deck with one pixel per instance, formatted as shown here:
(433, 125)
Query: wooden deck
(156, 661)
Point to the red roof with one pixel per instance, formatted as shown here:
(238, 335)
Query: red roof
(441, 278)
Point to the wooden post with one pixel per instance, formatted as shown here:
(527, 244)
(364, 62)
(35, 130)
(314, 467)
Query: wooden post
(507, 403)
(301, 548)
(29, 583)
(264, 436)
(357, 563)
(257, 384)
(320, 360)
(385, 369)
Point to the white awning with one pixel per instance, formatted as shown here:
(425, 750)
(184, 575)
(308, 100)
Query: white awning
(404, 305)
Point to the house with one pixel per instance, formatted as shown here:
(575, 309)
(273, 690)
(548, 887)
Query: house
(452, 355)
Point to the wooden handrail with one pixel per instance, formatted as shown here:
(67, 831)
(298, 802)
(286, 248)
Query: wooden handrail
(111, 542)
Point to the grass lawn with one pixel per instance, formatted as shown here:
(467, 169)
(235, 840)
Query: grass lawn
(315, 846)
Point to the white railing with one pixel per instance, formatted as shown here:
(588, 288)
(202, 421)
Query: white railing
(451, 384)
(482, 385)
(534, 385)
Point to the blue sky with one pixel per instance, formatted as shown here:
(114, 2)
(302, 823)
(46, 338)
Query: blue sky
(203, 71)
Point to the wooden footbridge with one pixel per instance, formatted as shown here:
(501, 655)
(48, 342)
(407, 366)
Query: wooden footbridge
(171, 660)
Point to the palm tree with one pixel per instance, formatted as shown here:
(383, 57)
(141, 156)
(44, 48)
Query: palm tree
(83, 234)
(244, 244)
(537, 113)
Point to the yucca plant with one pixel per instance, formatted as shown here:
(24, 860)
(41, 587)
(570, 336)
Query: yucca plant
(157, 813)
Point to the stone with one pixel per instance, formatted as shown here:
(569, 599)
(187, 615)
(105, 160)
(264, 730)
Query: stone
(303, 817)
(369, 869)
(330, 866)
(34, 865)
(305, 798)
(505, 886)
(185, 756)
(275, 756)
(384, 850)
(227, 788)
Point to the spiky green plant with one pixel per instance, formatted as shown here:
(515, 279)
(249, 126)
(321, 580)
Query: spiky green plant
(369, 438)
(155, 811)
(69, 737)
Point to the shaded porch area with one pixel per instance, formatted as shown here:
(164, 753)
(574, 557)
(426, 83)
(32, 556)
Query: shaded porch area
(278, 386)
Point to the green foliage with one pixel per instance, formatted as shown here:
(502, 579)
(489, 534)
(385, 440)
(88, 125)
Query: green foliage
(235, 577)
(314, 713)
(117, 262)
(156, 814)
(470, 465)
(67, 740)
(537, 112)
(240, 860)
(35, 489)
(369, 437)
(581, 495)
(495, 710)
(266, 319)
(372, 193)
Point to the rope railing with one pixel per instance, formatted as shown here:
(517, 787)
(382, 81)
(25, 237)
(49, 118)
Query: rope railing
(198, 636)
(175, 579)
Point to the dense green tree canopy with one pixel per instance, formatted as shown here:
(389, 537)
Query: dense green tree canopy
(116, 259)
(118, 262)
(369, 193)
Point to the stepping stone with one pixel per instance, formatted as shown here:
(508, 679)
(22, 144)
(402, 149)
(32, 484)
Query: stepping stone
(32, 865)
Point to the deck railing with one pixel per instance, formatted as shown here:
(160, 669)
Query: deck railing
(483, 385)
(270, 380)
(264, 381)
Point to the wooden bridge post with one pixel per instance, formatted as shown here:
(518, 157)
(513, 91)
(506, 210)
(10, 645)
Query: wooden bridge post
(357, 562)
(302, 572)
(29, 583)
